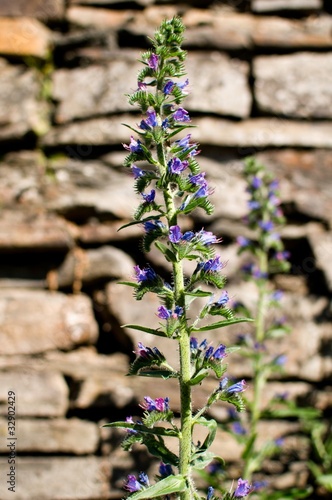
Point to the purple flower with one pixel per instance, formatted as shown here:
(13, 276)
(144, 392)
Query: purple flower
(208, 352)
(175, 234)
(165, 470)
(207, 237)
(181, 115)
(274, 184)
(134, 146)
(144, 479)
(243, 488)
(242, 241)
(202, 191)
(184, 143)
(220, 352)
(145, 274)
(279, 442)
(137, 172)
(141, 86)
(256, 182)
(210, 492)
(193, 343)
(164, 313)
(280, 360)
(130, 420)
(198, 179)
(168, 87)
(223, 299)
(259, 485)
(253, 204)
(176, 166)
(158, 404)
(153, 62)
(149, 197)
(152, 225)
(213, 265)
(266, 225)
(147, 352)
(151, 120)
(183, 85)
(238, 428)
(235, 388)
(284, 255)
(277, 295)
(132, 484)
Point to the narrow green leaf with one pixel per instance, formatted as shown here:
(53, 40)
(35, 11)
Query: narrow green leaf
(145, 329)
(199, 293)
(142, 429)
(197, 379)
(220, 324)
(134, 222)
(212, 427)
(170, 256)
(128, 283)
(201, 460)
(164, 374)
(167, 486)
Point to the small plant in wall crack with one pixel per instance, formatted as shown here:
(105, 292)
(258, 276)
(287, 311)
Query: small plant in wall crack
(170, 185)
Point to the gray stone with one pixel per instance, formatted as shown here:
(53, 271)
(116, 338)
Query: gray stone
(218, 84)
(21, 176)
(95, 90)
(224, 30)
(322, 250)
(21, 111)
(41, 393)
(275, 5)
(71, 436)
(96, 131)
(103, 263)
(290, 33)
(296, 85)
(41, 9)
(106, 19)
(305, 180)
(33, 321)
(108, 2)
(84, 191)
(250, 136)
(24, 231)
(253, 133)
(54, 478)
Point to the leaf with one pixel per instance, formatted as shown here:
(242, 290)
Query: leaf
(170, 256)
(134, 222)
(220, 324)
(201, 460)
(164, 374)
(199, 293)
(197, 379)
(167, 486)
(145, 329)
(142, 429)
(212, 427)
(128, 283)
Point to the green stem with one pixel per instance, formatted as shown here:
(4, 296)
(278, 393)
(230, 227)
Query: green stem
(259, 376)
(185, 364)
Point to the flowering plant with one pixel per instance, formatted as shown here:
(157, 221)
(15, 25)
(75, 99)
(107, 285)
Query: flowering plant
(170, 186)
(267, 256)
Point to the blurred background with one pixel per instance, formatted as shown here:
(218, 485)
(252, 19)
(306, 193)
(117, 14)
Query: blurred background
(260, 76)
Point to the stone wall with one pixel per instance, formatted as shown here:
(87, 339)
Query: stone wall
(260, 77)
